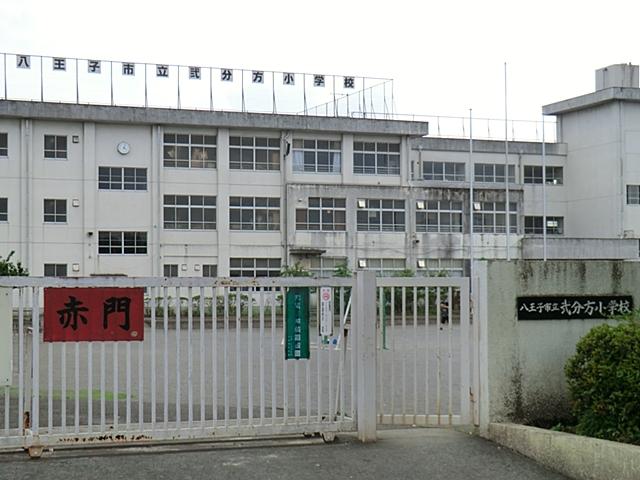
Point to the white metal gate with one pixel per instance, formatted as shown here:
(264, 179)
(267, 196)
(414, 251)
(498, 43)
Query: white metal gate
(211, 366)
(425, 351)
(212, 363)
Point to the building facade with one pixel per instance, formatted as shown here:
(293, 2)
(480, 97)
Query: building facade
(96, 190)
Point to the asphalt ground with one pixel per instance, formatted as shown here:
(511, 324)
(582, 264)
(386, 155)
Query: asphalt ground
(419, 453)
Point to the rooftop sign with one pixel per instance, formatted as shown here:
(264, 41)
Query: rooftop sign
(194, 87)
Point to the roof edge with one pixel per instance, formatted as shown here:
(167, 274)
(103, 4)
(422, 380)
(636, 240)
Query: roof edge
(168, 116)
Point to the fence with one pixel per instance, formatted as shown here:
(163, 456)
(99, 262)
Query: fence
(212, 363)
(442, 126)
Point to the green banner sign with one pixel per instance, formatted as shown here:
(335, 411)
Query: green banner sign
(297, 324)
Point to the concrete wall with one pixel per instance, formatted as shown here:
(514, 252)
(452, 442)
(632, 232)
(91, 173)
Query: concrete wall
(522, 362)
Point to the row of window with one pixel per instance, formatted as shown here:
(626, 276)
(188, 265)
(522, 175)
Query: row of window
(489, 173)
(317, 266)
(311, 156)
(198, 212)
(184, 150)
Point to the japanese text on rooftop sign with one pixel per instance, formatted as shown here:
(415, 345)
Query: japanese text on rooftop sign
(573, 307)
(93, 314)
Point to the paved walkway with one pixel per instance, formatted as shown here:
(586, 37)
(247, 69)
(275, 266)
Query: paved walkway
(431, 454)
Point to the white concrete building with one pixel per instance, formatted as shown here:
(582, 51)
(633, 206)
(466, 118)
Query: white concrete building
(88, 189)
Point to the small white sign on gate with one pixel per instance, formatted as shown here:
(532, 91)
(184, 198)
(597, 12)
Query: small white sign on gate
(326, 313)
(6, 336)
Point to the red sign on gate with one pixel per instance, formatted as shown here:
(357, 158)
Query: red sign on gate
(93, 314)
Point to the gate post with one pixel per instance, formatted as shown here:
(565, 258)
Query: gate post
(365, 343)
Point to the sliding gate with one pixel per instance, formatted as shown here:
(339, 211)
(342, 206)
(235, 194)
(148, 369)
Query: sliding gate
(211, 365)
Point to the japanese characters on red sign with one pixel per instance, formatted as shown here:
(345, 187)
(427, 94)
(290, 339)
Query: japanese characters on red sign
(93, 314)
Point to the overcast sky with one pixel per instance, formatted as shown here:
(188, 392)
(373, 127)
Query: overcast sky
(445, 56)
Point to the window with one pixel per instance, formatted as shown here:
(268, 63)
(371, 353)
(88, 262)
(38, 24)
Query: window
(254, 267)
(4, 209)
(55, 146)
(184, 150)
(325, 266)
(317, 156)
(119, 243)
(493, 173)
(445, 171)
(490, 217)
(254, 153)
(384, 267)
(380, 215)
(326, 214)
(533, 174)
(4, 144)
(376, 158)
(254, 213)
(170, 270)
(533, 225)
(433, 267)
(55, 211)
(122, 178)
(189, 212)
(209, 270)
(442, 216)
(55, 269)
(633, 195)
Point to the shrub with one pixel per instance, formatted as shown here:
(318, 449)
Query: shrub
(604, 382)
(10, 269)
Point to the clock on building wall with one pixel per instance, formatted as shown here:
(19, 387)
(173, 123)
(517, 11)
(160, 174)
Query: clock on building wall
(123, 148)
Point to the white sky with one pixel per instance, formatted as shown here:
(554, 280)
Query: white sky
(445, 56)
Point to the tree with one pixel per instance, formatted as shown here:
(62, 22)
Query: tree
(297, 270)
(10, 269)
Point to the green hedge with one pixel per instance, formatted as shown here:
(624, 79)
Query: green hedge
(604, 382)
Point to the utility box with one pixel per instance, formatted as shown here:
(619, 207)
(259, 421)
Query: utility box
(6, 337)
(620, 75)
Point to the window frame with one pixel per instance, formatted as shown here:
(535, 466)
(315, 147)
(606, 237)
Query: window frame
(170, 270)
(302, 150)
(442, 176)
(440, 209)
(313, 210)
(59, 152)
(121, 236)
(453, 267)
(242, 146)
(480, 217)
(180, 143)
(251, 264)
(55, 216)
(325, 267)
(4, 210)
(536, 229)
(633, 193)
(489, 173)
(381, 211)
(191, 208)
(393, 265)
(56, 267)
(269, 210)
(532, 175)
(206, 270)
(108, 181)
(4, 149)
(376, 152)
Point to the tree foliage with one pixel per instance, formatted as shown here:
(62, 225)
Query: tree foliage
(10, 269)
